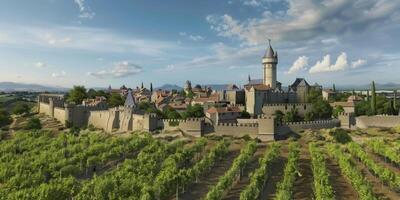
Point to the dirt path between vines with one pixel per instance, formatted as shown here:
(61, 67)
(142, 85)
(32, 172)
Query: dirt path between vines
(199, 190)
(277, 168)
(381, 161)
(341, 186)
(302, 188)
(380, 190)
(234, 193)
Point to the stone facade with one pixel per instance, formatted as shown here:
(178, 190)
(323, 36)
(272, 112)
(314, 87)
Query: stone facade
(122, 118)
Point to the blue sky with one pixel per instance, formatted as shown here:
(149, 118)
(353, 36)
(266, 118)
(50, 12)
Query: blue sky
(99, 42)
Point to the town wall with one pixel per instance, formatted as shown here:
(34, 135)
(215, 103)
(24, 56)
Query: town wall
(236, 129)
(44, 108)
(302, 108)
(106, 120)
(286, 128)
(59, 114)
(191, 126)
(386, 121)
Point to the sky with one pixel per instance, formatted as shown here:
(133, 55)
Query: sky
(97, 43)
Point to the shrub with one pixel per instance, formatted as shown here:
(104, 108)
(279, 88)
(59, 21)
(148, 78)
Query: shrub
(5, 118)
(33, 123)
(340, 136)
(21, 108)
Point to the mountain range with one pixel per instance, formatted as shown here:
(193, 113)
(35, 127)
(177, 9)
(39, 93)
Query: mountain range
(13, 87)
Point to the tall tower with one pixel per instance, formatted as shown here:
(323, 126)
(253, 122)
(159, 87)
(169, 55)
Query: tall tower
(269, 61)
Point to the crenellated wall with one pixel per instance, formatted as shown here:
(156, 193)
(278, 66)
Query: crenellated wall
(285, 128)
(106, 120)
(59, 114)
(385, 121)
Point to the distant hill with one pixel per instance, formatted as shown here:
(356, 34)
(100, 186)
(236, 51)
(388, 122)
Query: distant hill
(379, 86)
(169, 87)
(15, 87)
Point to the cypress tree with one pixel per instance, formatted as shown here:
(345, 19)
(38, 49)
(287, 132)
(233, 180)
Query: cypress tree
(151, 87)
(367, 95)
(373, 98)
(395, 100)
(334, 88)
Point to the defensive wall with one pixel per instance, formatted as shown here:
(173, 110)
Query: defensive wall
(385, 121)
(191, 126)
(302, 108)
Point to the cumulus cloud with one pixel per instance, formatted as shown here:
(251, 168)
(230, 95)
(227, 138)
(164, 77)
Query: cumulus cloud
(307, 19)
(326, 66)
(40, 65)
(85, 11)
(358, 63)
(118, 70)
(299, 65)
(59, 74)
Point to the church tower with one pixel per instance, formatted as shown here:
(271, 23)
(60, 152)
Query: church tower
(269, 61)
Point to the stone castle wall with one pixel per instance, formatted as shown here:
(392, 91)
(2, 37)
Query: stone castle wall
(106, 120)
(286, 128)
(59, 114)
(302, 108)
(236, 129)
(386, 121)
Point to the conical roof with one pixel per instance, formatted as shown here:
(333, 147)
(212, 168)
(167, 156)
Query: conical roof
(130, 101)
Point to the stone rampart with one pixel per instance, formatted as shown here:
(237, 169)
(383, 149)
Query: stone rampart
(302, 108)
(285, 128)
(385, 121)
(59, 114)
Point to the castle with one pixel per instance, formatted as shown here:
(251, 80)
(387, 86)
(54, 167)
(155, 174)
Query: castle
(122, 118)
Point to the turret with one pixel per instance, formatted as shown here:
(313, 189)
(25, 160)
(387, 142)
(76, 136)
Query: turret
(270, 61)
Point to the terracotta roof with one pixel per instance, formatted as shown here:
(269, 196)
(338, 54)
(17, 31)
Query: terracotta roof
(224, 110)
(213, 97)
(354, 98)
(343, 104)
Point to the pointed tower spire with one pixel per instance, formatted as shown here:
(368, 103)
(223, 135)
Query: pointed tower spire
(270, 52)
(142, 86)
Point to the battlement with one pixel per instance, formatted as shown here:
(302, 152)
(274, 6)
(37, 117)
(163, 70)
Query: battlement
(184, 120)
(311, 122)
(265, 117)
(238, 124)
(286, 104)
(345, 114)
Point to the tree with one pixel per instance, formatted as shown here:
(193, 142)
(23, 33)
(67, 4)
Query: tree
(320, 107)
(115, 100)
(193, 111)
(367, 95)
(171, 113)
(337, 110)
(151, 87)
(245, 115)
(334, 88)
(5, 118)
(33, 123)
(395, 100)
(309, 116)
(77, 94)
(291, 116)
(21, 108)
(279, 116)
(373, 99)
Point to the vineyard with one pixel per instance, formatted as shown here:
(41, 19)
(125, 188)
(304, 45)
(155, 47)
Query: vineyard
(318, 165)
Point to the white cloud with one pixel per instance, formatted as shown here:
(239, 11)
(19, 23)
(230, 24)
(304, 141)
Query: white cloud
(306, 20)
(326, 66)
(330, 41)
(59, 75)
(358, 63)
(118, 70)
(40, 65)
(299, 65)
(191, 37)
(85, 11)
(83, 38)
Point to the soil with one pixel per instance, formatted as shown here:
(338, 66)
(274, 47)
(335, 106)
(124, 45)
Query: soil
(380, 190)
(303, 188)
(277, 168)
(199, 190)
(341, 186)
(234, 192)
